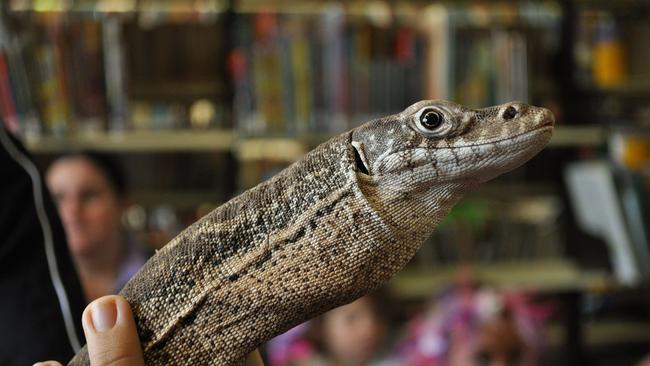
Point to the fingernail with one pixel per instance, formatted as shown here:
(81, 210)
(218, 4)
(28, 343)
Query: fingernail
(104, 315)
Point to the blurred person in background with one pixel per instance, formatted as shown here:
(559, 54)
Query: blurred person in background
(469, 326)
(350, 335)
(90, 192)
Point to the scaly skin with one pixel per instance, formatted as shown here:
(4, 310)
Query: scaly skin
(328, 229)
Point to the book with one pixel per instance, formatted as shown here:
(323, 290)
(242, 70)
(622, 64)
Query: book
(115, 75)
(87, 88)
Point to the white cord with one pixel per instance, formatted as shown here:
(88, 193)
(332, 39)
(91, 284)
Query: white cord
(29, 166)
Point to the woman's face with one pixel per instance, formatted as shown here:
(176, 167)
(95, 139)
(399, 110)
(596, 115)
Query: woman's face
(353, 333)
(88, 205)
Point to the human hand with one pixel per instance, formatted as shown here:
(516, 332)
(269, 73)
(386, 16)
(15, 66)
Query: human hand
(112, 336)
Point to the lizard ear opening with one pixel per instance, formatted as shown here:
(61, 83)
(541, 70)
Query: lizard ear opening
(359, 157)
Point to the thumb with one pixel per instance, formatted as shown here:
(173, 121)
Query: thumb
(111, 333)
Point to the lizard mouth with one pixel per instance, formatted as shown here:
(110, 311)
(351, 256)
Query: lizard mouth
(549, 123)
(546, 126)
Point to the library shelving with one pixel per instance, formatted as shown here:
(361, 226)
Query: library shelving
(249, 86)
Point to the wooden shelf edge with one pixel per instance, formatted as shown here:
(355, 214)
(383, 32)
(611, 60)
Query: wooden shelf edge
(265, 148)
(567, 136)
(602, 333)
(287, 149)
(544, 275)
(138, 141)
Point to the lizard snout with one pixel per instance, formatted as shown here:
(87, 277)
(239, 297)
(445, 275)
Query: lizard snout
(547, 118)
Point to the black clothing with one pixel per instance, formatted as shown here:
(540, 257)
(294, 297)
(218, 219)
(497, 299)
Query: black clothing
(38, 298)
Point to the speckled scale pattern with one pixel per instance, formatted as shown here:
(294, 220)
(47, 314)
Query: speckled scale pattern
(320, 233)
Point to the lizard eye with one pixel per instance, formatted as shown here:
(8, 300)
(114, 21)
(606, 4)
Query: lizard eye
(510, 113)
(430, 119)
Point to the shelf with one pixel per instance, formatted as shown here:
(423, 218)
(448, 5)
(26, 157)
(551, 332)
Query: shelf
(290, 149)
(138, 141)
(287, 149)
(602, 333)
(277, 149)
(574, 136)
(547, 275)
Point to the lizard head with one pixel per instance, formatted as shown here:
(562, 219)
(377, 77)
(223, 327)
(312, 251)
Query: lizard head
(440, 141)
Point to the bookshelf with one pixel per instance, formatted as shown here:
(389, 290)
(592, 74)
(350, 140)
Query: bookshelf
(193, 81)
(333, 65)
(357, 23)
(265, 122)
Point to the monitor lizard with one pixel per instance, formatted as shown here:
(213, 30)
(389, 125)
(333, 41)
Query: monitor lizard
(326, 230)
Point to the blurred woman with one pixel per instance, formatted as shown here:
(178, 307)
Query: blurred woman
(90, 192)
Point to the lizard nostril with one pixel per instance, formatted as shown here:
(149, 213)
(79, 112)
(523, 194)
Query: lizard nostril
(510, 113)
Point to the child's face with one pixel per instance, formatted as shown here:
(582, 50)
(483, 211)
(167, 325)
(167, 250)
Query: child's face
(353, 333)
(498, 344)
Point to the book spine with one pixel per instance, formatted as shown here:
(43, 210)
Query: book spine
(61, 65)
(300, 65)
(87, 86)
(115, 74)
(287, 85)
(334, 74)
(52, 106)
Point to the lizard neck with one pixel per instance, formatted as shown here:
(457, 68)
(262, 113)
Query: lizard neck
(411, 208)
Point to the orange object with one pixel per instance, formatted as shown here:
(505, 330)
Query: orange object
(608, 55)
(636, 152)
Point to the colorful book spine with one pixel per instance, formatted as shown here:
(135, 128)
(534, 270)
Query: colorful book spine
(267, 72)
(52, 104)
(301, 63)
(87, 83)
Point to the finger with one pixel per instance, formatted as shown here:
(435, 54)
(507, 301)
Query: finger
(111, 333)
(47, 363)
(254, 359)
